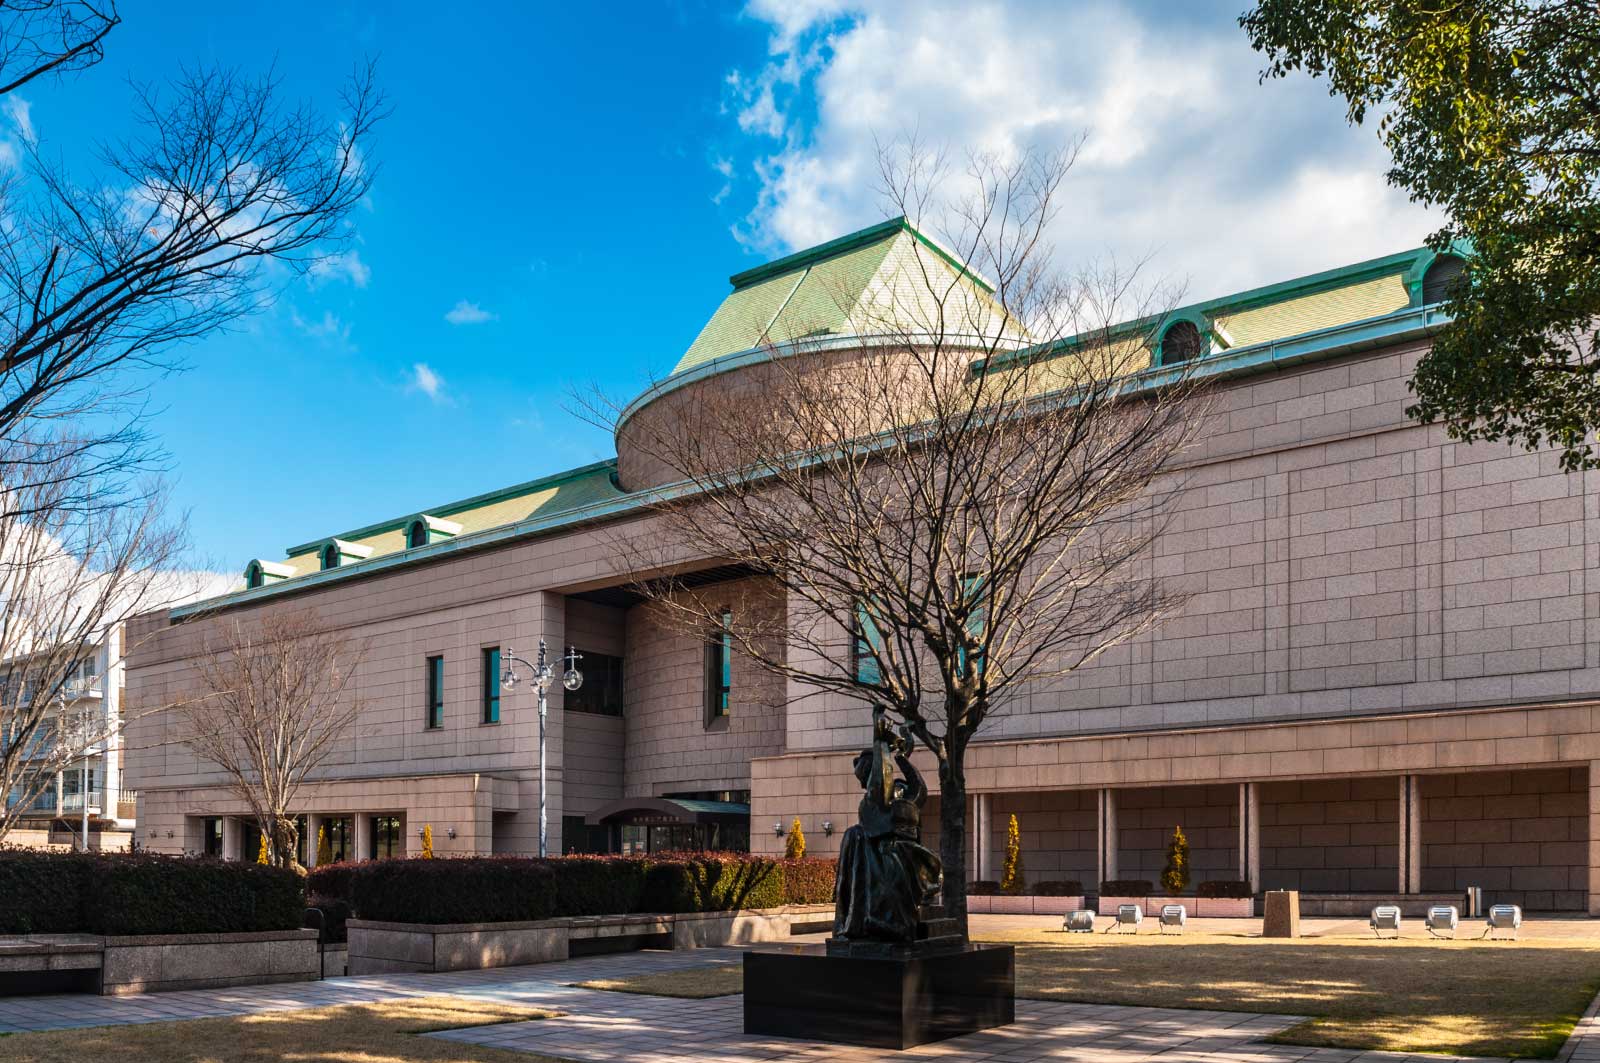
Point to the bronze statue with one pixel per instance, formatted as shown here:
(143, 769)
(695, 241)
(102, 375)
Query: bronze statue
(885, 874)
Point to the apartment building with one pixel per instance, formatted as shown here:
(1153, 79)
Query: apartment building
(1385, 681)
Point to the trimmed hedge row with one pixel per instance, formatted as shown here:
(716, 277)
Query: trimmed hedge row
(1065, 887)
(117, 894)
(514, 889)
(1224, 888)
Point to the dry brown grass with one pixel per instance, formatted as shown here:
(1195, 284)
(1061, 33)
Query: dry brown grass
(691, 983)
(1420, 995)
(352, 1033)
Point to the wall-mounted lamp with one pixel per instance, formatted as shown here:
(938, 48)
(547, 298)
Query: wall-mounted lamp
(827, 828)
(449, 832)
(777, 830)
(419, 832)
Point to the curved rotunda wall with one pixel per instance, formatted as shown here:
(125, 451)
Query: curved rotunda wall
(748, 383)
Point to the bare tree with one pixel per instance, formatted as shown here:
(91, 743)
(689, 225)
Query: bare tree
(41, 37)
(68, 574)
(224, 191)
(951, 513)
(274, 701)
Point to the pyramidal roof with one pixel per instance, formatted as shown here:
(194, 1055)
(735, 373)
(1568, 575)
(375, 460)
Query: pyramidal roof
(886, 277)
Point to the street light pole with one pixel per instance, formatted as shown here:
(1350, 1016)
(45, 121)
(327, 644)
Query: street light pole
(543, 675)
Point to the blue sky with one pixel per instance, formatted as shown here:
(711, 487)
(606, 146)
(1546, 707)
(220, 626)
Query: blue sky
(564, 190)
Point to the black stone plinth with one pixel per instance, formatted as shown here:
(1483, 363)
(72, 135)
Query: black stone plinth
(909, 996)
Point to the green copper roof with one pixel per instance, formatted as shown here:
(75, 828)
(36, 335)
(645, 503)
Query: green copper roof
(856, 284)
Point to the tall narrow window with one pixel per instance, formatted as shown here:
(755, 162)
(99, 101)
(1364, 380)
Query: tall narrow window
(435, 692)
(330, 556)
(866, 641)
(252, 575)
(719, 669)
(211, 836)
(417, 535)
(491, 685)
(974, 591)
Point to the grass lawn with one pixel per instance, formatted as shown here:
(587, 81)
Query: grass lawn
(1415, 995)
(692, 983)
(353, 1033)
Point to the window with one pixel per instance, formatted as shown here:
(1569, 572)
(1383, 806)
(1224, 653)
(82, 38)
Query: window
(252, 575)
(491, 685)
(974, 591)
(211, 836)
(435, 692)
(388, 839)
(1441, 277)
(341, 834)
(417, 534)
(1180, 343)
(719, 669)
(330, 556)
(601, 692)
(866, 641)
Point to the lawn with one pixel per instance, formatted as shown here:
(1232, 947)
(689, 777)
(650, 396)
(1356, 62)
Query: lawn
(692, 983)
(353, 1033)
(1417, 995)
(1414, 995)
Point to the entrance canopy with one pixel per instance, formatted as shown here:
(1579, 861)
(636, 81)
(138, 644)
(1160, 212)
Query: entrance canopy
(668, 812)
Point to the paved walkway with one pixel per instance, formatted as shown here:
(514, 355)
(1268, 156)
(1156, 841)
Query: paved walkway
(599, 1025)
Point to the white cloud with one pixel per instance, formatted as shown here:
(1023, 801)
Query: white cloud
(430, 383)
(20, 112)
(465, 313)
(347, 266)
(1229, 182)
(330, 327)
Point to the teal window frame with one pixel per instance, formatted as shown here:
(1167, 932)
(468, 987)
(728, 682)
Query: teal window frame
(971, 586)
(434, 688)
(491, 685)
(417, 534)
(252, 576)
(719, 670)
(330, 556)
(866, 642)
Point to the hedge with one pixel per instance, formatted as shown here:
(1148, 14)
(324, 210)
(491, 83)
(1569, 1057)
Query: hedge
(518, 889)
(1224, 888)
(1067, 887)
(1127, 887)
(983, 888)
(121, 894)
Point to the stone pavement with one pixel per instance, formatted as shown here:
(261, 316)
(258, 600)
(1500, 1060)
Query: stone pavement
(609, 1026)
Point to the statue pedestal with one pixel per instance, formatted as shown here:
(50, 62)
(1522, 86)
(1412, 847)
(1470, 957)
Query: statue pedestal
(893, 997)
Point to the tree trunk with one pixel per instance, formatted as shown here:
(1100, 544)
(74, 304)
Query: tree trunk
(283, 842)
(953, 836)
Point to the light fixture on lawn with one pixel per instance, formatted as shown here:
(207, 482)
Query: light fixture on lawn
(543, 676)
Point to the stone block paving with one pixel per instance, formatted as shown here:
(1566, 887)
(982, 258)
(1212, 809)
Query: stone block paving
(609, 1026)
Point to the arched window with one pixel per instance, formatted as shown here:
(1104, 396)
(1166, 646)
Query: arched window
(330, 556)
(1441, 277)
(417, 534)
(252, 576)
(1180, 342)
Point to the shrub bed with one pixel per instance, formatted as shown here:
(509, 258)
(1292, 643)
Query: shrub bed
(1224, 888)
(1066, 887)
(1127, 887)
(124, 894)
(983, 888)
(503, 889)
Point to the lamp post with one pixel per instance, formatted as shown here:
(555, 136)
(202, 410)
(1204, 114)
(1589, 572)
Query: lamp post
(543, 675)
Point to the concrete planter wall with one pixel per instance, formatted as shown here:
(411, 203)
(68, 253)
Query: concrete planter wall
(1001, 904)
(383, 948)
(158, 962)
(1198, 907)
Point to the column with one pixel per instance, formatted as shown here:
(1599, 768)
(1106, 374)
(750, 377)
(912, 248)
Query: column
(1106, 836)
(232, 836)
(985, 831)
(1410, 855)
(363, 835)
(1250, 834)
(1594, 837)
(313, 824)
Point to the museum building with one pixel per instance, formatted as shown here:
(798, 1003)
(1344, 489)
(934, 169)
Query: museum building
(1385, 680)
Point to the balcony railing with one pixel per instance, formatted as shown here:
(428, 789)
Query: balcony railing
(123, 804)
